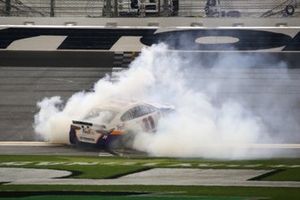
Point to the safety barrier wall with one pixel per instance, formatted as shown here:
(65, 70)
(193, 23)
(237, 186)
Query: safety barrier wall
(83, 59)
(108, 47)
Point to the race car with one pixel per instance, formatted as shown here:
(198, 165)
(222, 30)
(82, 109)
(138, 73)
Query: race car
(116, 122)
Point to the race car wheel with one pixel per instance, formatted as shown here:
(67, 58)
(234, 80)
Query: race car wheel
(102, 142)
(289, 10)
(72, 137)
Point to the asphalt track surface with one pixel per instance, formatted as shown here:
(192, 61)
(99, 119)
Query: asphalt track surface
(22, 87)
(34, 149)
(44, 148)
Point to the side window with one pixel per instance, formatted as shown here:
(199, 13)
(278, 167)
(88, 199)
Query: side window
(127, 115)
(137, 111)
(131, 114)
(149, 109)
(145, 110)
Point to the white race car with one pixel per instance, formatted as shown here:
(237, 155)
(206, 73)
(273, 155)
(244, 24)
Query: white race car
(115, 122)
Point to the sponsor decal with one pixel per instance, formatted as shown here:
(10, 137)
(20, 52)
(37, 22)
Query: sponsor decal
(104, 39)
(248, 40)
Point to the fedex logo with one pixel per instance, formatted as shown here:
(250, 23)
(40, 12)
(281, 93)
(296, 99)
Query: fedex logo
(191, 39)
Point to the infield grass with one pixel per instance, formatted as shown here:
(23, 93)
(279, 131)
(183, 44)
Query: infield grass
(111, 167)
(209, 192)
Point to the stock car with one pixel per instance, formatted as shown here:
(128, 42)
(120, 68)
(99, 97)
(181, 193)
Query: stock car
(116, 123)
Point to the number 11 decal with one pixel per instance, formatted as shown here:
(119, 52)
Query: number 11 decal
(149, 123)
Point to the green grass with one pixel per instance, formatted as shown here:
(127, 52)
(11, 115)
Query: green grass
(178, 191)
(285, 175)
(110, 167)
(122, 197)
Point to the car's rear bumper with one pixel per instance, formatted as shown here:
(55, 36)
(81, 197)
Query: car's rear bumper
(103, 141)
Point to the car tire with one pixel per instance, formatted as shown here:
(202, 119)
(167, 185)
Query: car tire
(101, 143)
(72, 137)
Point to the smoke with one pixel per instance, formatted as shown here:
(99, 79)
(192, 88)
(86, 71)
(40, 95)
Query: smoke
(215, 115)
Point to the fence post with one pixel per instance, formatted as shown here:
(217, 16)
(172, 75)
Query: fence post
(7, 7)
(107, 8)
(52, 5)
(116, 8)
(166, 10)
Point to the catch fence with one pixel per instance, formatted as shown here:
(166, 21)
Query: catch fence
(141, 8)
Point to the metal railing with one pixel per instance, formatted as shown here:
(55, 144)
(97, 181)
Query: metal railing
(142, 8)
(51, 8)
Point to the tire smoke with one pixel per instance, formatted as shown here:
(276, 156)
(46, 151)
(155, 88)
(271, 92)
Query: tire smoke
(214, 117)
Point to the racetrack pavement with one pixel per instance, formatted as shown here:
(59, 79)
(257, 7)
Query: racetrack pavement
(22, 87)
(46, 148)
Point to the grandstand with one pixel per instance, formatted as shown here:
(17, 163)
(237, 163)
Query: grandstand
(116, 8)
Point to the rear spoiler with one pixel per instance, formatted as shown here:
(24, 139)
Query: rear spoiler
(82, 123)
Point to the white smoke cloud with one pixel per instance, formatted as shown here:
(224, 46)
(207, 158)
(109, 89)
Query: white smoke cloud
(205, 124)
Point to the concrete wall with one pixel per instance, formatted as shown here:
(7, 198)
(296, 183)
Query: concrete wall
(151, 21)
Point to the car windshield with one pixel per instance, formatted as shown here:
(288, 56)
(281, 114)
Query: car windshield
(99, 116)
